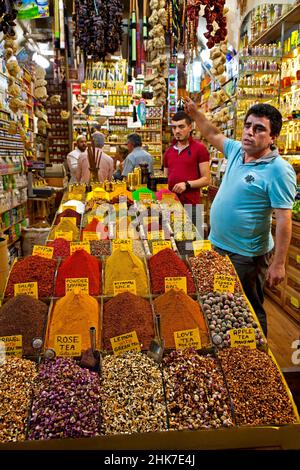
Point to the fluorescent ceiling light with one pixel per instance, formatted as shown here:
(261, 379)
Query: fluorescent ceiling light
(40, 60)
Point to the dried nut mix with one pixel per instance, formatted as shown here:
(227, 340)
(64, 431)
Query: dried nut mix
(16, 382)
(195, 391)
(132, 397)
(206, 265)
(225, 312)
(258, 394)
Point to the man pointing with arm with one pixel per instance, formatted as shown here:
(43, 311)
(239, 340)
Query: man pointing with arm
(257, 181)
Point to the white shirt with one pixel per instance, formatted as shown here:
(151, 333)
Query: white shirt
(72, 159)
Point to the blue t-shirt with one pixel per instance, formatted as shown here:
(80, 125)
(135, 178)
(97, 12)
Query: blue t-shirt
(241, 212)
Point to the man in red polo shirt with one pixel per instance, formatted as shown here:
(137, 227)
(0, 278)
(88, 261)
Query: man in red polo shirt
(186, 162)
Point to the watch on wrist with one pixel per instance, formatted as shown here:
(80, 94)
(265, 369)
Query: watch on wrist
(187, 185)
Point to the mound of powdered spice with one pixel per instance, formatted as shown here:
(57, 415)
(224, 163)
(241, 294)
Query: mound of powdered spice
(26, 316)
(66, 401)
(79, 265)
(33, 269)
(97, 227)
(68, 213)
(124, 313)
(179, 312)
(167, 264)
(65, 225)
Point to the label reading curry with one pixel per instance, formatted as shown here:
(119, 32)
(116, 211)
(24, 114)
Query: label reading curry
(294, 302)
(69, 219)
(122, 244)
(65, 235)
(67, 345)
(201, 245)
(127, 342)
(187, 339)
(77, 284)
(44, 251)
(175, 283)
(74, 246)
(224, 283)
(12, 345)
(29, 288)
(242, 337)
(125, 286)
(89, 236)
(158, 246)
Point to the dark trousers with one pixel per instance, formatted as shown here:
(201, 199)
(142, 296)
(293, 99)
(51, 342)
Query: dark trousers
(252, 272)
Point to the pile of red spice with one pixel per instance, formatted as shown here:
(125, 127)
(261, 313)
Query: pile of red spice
(79, 265)
(98, 227)
(124, 313)
(33, 269)
(68, 213)
(167, 264)
(61, 248)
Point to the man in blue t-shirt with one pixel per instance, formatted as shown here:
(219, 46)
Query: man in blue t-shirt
(257, 181)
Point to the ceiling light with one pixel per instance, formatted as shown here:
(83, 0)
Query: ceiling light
(40, 60)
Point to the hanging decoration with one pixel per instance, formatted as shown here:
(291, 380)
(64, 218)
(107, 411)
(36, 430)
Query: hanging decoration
(98, 27)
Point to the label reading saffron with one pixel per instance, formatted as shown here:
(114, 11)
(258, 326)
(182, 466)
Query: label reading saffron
(77, 284)
(44, 251)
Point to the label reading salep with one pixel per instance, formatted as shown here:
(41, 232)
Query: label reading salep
(29, 288)
(77, 284)
(125, 286)
(67, 345)
(44, 251)
(175, 283)
(74, 246)
(224, 283)
(12, 345)
(201, 245)
(187, 339)
(127, 342)
(242, 337)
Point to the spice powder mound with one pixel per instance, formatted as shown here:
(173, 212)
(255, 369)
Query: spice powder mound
(26, 316)
(167, 264)
(124, 313)
(33, 269)
(179, 312)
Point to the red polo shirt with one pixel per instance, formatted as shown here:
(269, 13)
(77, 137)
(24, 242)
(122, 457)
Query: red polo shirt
(184, 166)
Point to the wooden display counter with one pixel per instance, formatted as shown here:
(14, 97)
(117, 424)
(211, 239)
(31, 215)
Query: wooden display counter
(287, 294)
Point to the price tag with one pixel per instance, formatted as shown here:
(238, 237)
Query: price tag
(175, 283)
(126, 342)
(201, 245)
(44, 251)
(160, 245)
(88, 236)
(145, 197)
(67, 345)
(64, 208)
(12, 345)
(90, 218)
(159, 187)
(70, 219)
(125, 286)
(66, 235)
(77, 283)
(187, 339)
(295, 302)
(224, 283)
(122, 244)
(156, 235)
(74, 246)
(29, 288)
(298, 259)
(242, 337)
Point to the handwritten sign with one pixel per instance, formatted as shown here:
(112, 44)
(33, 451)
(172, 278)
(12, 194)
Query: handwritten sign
(242, 337)
(65, 235)
(122, 244)
(77, 283)
(160, 245)
(29, 288)
(187, 339)
(125, 286)
(74, 246)
(295, 302)
(175, 283)
(201, 245)
(12, 345)
(126, 342)
(44, 251)
(69, 219)
(224, 283)
(67, 345)
(88, 236)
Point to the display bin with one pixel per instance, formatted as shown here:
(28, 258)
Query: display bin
(291, 303)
